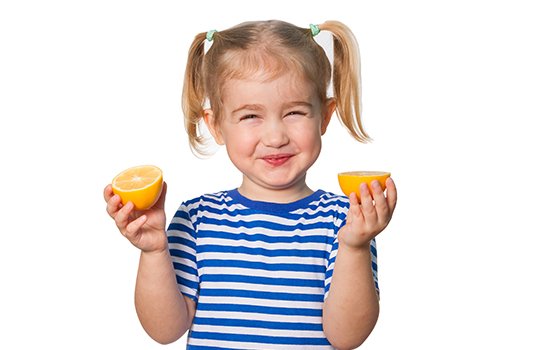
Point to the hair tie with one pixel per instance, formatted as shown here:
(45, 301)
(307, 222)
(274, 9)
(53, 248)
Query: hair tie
(314, 29)
(210, 34)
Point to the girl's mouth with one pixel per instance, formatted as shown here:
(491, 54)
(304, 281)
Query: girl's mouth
(277, 159)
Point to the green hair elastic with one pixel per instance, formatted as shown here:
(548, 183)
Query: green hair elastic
(314, 29)
(210, 34)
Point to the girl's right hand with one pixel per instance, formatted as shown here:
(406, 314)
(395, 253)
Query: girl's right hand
(144, 229)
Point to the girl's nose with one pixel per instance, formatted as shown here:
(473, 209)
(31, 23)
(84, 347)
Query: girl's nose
(275, 134)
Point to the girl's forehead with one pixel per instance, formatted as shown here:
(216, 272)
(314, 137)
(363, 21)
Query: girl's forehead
(266, 70)
(288, 85)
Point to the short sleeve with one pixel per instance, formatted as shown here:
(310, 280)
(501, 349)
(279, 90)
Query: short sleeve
(374, 259)
(330, 267)
(182, 242)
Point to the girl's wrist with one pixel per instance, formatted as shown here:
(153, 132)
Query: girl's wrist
(157, 252)
(358, 251)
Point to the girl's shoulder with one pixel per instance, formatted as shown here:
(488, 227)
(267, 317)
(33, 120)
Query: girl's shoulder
(326, 204)
(206, 206)
(210, 201)
(330, 198)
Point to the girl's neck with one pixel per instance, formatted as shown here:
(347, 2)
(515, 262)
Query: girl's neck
(286, 195)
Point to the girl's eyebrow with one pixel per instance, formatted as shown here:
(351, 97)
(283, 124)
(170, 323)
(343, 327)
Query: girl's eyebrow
(259, 107)
(298, 103)
(253, 107)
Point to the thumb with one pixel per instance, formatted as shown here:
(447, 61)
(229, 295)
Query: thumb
(162, 198)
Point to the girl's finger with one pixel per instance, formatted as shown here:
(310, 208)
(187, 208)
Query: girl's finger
(108, 193)
(354, 209)
(113, 205)
(377, 192)
(391, 199)
(134, 226)
(122, 217)
(380, 203)
(162, 198)
(366, 199)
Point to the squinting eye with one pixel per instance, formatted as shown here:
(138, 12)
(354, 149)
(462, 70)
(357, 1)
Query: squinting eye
(252, 116)
(297, 112)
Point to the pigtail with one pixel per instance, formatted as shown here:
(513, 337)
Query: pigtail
(346, 78)
(193, 95)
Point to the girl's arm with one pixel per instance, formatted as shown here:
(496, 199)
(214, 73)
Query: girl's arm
(163, 311)
(351, 309)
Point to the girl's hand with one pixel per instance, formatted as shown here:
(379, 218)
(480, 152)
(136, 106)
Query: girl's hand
(366, 220)
(144, 229)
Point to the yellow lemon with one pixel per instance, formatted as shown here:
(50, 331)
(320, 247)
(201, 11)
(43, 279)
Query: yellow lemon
(350, 181)
(140, 185)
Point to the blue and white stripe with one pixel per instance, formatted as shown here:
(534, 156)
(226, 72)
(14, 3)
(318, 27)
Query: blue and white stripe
(258, 271)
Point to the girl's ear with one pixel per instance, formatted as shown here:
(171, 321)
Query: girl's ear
(208, 117)
(330, 107)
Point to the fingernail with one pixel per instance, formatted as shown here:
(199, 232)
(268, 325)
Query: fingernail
(375, 183)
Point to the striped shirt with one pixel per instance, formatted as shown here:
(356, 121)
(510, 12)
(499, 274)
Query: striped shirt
(258, 271)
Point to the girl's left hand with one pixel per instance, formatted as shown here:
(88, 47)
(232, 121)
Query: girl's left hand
(366, 220)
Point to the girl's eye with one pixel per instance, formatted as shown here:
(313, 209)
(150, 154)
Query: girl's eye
(297, 113)
(251, 116)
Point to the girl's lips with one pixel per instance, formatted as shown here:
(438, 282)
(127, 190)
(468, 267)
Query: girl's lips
(277, 159)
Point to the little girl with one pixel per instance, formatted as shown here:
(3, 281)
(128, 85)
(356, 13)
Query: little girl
(271, 264)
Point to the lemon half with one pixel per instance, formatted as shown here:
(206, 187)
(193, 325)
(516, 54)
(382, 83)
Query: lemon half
(350, 181)
(141, 185)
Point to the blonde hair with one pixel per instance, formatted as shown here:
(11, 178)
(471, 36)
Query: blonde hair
(272, 48)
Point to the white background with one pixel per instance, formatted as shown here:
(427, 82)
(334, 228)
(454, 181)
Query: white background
(455, 94)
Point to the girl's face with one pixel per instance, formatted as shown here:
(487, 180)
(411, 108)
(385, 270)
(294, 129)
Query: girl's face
(272, 132)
